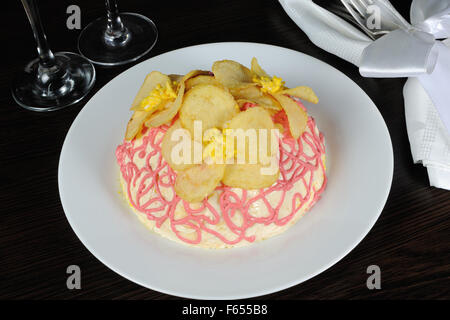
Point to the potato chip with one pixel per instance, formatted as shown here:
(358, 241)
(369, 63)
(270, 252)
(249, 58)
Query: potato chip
(209, 104)
(267, 102)
(169, 112)
(274, 105)
(198, 182)
(257, 70)
(175, 77)
(297, 117)
(171, 109)
(151, 81)
(248, 176)
(231, 73)
(253, 118)
(302, 92)
(254, 95)
(194, 73)
(201, 79)
(246, 91)
(135, 124)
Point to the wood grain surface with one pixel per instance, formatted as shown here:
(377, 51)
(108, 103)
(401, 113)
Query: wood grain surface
(410, 241)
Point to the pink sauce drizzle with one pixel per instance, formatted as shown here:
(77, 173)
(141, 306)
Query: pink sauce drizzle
(295, 165)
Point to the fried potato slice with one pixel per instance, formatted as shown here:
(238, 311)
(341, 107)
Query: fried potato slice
(251, 176)
(194, 73)
(199, 181)
(246, 91)
(135, 124)
(168, 145)
(201, 79)
(171, 109)
(209, 104)
(254, 95)
(253, 118)
(248, 176)
(297, 117)
(151, 81)
(138, 118)
(257, 70)
(274, 105)
(175, 77)
(302, 92)
(272, 109)
(169, 112)
(231, 73)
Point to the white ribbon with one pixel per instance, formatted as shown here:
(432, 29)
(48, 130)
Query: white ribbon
(415, 52)
(410, 51)
(432, 16)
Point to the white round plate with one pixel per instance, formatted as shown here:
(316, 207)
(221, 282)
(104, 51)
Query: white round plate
(359, 165)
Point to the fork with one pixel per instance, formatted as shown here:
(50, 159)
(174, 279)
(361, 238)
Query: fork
(390, 18)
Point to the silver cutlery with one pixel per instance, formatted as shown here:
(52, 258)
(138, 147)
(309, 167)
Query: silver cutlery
(367, 12)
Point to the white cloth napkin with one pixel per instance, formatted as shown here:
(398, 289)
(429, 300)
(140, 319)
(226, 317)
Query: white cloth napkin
(429, 138)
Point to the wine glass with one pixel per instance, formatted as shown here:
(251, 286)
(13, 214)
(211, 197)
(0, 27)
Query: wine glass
(117, 39)
(53, 80)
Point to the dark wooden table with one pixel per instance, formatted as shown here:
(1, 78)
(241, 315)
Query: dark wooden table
(410, 242)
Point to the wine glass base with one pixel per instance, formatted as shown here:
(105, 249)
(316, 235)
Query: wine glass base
(142, 36)
(38, 90)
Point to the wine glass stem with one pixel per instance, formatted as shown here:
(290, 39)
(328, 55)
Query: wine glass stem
(114, 26)
(46, 57)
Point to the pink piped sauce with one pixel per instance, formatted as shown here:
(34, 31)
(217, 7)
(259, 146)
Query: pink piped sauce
(294, 166)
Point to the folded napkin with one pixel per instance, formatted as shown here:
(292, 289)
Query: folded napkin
(427, 64)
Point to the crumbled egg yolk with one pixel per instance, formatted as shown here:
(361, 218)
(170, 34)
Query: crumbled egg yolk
(269, 85)
(158, 95)
(215, 139)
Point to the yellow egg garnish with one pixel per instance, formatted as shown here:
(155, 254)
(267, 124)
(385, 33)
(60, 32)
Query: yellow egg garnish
(157, 96)
(212, 135)
(216, 140)
(269, 85)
